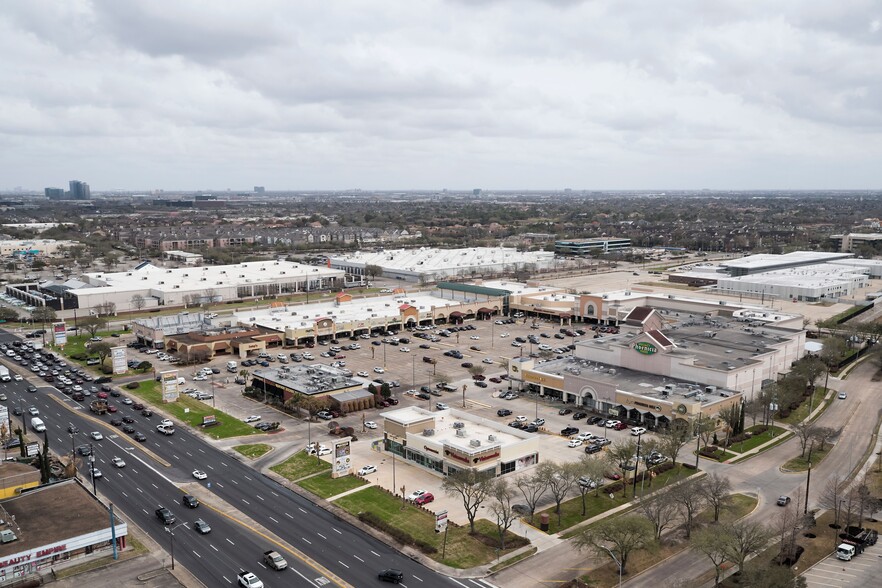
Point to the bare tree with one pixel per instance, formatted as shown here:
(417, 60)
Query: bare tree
(823, 435)
(138, 302)
(754, 408)
(622, 536)
(832, 495)
(619, 456)
(106, 308)
(501, 495)
(711, 543)
(592, 470)
(102, 349)
(472, 487)
(742, 539)
(43, 315)
(691, 499)
(561, 483)
(208, 297)
(811, 368)
(731, 415)
(804, 432)
(716, 489)
(93, 324)
(534, 487)
(672, 440)
(661, 510)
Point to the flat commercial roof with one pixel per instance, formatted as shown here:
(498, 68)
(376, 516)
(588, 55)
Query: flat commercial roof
(808, 276)
(521, 289)
(307, 379)
(304, 315)
(52, 514)
(770, 261)
(148, 276)
(427, 260)
(475, 428)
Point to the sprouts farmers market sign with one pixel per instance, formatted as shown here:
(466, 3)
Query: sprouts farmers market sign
(645, 348)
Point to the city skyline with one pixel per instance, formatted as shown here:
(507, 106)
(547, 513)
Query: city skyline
(497, 95)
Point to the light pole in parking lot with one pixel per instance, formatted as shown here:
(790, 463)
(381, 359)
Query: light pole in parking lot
(637, 465)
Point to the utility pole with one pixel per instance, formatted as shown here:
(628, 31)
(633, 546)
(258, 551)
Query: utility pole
(636, 466)
(808, 478)
(698, 441)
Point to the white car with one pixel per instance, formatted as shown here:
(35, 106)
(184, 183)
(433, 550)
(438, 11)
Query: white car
(17, 377)
(252, 419)
(585, 436)
(474, 337)
(516, 344)
(96, 435)
(324, 450)
(362, 374)
(199, 475)
(414, 495)
(200, 378)
(379, 370)
(368, 469)
(404, 349)
(503, 335)
(166, 423)
(574, 442)
(370, 424)
(638, 430)
(127, 401)
(249, 580)
(487, 360)
(521, 418)
(611, 424)
(118, 462)
(441, 406)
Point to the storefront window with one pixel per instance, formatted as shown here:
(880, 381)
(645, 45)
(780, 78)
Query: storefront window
(506, 468)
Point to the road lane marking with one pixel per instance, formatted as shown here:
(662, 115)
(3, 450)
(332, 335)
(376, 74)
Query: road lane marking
(139, 490)
(175, 456)
(259, 496)
(188, 453)
(289, 516)
(154, 485)
(246, 502)
(225, 465)
(417, 578)
(218, 484)
(197, 555)
(358, 558)
(342, 564)
(375, 553)
(336, 531)
(322, 536)
(274, 494)
(307, 540)
(301, 510)
(234, 481)
(311, 583)
(248, 478)
(213, 547)
(230, 542)
(225, 578)
(209, 466)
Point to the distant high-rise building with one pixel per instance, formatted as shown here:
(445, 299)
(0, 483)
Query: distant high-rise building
(79, 190)
(54, 193)
(259, 189)
(476, 192)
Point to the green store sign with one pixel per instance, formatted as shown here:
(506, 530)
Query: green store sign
(645, 348)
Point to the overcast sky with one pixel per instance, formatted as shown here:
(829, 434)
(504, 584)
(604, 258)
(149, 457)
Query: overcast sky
(462, 94)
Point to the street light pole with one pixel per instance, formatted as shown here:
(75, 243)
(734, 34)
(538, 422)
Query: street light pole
(698, 441)
(808, 478)
(636, 466)
(618, 563)
(92, 469)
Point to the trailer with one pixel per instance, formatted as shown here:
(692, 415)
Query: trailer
(98, 406)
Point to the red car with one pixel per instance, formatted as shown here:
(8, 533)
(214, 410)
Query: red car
(478, 377)
(102, 395)
(424, 499)
(496, 380)
(612, 476)
(620, 427)
(111, 408)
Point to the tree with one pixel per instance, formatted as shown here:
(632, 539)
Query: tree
(372, 271)
(705, 429)
(834, 351)
(144, 366)
(385, 390)
(8, 315)
(106, 308)
(138, 302)
(754, 409)
(476, 370)
(619, 456)
(804, 432)
(660, 510)
(832, 495)
(43, 315)
(472, 487)
(93, 323)
(731, 415)
(622, 536)
(672, 440)
(712, 544)
(534, 487)
(823, 435)
(691, 499)
(811, 368)
(500, 507)
(742, 539)
(767, 574)
(715, 489)
(593, 471)
(102, 349)
(208, 296)
(561, 482)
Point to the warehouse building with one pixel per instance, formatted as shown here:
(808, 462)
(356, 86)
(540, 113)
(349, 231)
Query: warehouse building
(147, 286)
(432, 265)
(757, 264)
(585, 247)
(827, 281)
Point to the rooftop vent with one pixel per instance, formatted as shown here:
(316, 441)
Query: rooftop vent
(460, 433)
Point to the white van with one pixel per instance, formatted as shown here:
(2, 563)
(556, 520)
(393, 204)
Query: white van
(181, 380)
(37, 424)
(232, 366)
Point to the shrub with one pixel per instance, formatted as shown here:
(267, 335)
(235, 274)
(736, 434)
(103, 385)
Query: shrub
(759, 429)
(79, 356)
(794, 405)
(133, 385)
(783, 413)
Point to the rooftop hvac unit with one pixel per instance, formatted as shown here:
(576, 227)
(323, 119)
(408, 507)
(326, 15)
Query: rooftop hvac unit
(612, 371)
(458, 425)
(475, 443)
(491, 438)
(460, 433)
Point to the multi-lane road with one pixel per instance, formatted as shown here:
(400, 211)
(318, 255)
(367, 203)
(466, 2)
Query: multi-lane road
(321, 549)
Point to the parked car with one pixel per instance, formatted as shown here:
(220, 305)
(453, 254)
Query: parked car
(638, 430)
(564, 411)
(425, 498)
(783, 501)
(579, 415)
(593, 448)
(568, 431)
(503, 412)
(368, 469)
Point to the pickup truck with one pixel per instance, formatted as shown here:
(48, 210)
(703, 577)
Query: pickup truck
(249, 580)
(273, 560)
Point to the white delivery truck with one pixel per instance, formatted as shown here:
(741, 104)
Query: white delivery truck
(4, 374)
(232, 366)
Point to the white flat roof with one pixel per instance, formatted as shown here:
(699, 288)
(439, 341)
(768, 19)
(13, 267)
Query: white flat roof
(479, 429)
(149, 276)
(808, 276)
(520, 288)
(430, 260)
(769, 260)
(302, 315)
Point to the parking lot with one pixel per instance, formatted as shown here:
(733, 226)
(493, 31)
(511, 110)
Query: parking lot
(862, 570)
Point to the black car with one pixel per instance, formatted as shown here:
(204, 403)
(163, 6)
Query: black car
(72, 429)
(595, 420)
(564, 411)
(84, 450)
(423, 396)
(140, 437)
(391, 575)
(165, 515)
(116, 422)
(531, 428)
(481, 384)
(503, 412)
(568, 431)
(579, 415)
(190, 501)
(593, 448)
(32, 389)
(147, 412)
(16, 411)
(128, 429)
(128, 420)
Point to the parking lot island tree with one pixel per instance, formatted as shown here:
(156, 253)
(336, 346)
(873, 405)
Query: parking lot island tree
(534, 486)
(472, 487)
(672, 439)
(501, 496)
(617, 538)
(716, 489)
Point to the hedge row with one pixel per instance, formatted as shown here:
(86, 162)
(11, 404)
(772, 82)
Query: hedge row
(399, 535)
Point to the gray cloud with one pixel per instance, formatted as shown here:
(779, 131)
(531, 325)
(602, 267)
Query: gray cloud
(387, 94)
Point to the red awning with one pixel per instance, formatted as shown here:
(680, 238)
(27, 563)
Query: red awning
(455, 313)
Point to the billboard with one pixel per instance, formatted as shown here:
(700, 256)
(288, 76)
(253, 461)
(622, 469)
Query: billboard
(169, 381)
(59, 332)
(32, 449)
(342, 452)
(118, 357)
(440, 521)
